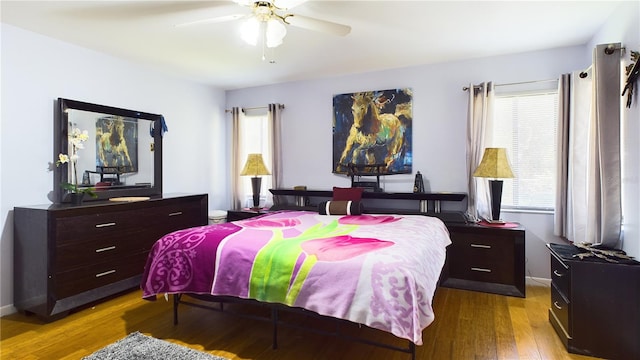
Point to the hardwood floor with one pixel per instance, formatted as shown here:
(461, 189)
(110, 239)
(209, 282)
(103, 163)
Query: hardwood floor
(468, 325)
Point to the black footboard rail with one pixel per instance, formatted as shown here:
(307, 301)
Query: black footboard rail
(217, 304)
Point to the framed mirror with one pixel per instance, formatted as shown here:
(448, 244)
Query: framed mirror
(122, 155)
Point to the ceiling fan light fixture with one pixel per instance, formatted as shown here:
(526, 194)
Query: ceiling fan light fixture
(250, 30)
(275, 33)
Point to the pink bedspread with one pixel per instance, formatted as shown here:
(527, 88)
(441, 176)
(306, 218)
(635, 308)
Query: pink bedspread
(377, 270)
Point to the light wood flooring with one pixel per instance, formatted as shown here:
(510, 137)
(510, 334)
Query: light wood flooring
(468, 325)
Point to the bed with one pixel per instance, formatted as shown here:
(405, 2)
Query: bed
(377, 270)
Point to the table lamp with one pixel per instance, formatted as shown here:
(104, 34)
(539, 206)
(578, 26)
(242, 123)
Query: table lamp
(254, 167)
(494, 164)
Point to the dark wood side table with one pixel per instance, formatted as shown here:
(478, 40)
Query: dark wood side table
(241, 214)
(488, 259)
(595, 304)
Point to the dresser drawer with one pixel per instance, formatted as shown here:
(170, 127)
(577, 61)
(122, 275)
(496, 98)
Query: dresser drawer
(73, 282)
(482, 258)
(93, 227)
(560, 276)
(167, 218)
(560, 306)
(74, 255)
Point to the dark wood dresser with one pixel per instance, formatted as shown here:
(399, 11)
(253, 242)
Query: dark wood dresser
(67, 256)
(235, 215)
(487, 259)
(595, 304)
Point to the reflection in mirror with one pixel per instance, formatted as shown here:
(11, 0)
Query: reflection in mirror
(122, 157)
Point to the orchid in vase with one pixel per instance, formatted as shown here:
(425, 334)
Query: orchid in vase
(76, 140)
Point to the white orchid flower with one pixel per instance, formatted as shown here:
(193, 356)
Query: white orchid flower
(62, 159)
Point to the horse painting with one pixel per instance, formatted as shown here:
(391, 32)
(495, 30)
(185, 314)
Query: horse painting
(117, 141)
(376, 135)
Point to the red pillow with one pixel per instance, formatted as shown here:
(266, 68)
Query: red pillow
(347, 194)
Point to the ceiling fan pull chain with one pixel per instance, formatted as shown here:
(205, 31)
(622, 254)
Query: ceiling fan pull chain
(264, 40)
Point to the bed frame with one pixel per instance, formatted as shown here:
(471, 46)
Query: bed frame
(274, 318)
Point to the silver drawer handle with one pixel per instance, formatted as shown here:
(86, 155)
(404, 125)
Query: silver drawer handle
(558, 274)
(105, 225)
(481, 246)
(106, 249)
(555, 303)
(105, 273)
(480, 269)
(175, 213)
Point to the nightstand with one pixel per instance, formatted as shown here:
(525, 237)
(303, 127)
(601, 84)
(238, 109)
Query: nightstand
(487, 259)
(234, 215)
(595, 304)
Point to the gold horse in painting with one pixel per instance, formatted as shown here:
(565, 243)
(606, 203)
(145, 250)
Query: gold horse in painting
(372, 129)
(112, 149)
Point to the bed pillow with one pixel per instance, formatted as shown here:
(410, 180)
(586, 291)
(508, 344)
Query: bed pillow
(343, 194)
(341, 207)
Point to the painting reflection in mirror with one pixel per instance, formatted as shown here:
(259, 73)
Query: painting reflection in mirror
(117, 143)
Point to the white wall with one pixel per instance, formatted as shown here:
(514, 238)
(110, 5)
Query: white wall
(36, 70)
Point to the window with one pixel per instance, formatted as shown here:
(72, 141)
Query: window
(525, 124)
(253, 138)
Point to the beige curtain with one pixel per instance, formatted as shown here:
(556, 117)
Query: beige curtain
(561, 214)
(479, 122)
(575, 144)
(588, 201)
(275, 139)
(607, 185)
(236, 160)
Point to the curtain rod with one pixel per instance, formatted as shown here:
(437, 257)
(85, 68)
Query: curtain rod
(611, 48)
(514, 83)
(281, 106)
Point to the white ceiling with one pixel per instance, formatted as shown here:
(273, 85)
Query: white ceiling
(385, 34)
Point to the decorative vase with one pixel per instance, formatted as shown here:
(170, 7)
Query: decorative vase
(76, 198)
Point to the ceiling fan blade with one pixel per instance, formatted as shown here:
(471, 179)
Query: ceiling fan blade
(244, 2)
(287, 4)
(214, 20)
(317, 24)
(280, 4)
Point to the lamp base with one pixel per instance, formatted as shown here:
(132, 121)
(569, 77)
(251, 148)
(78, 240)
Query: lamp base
(256, 182)
(496, 198)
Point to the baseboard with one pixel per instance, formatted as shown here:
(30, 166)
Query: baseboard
(530, 280)
(7, 310)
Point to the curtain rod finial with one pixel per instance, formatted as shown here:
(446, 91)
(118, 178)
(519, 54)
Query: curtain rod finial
(609, 49)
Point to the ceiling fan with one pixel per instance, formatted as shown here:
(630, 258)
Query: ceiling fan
(269, 17)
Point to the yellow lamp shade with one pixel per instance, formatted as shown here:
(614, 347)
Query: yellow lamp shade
(254, 166)
(494, 164)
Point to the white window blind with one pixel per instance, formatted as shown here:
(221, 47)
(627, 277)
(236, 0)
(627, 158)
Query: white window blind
(525, 124)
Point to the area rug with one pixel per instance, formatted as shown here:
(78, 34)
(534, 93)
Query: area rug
(142, 347)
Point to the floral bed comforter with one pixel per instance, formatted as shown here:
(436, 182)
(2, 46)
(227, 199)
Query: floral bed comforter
(377, 270)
